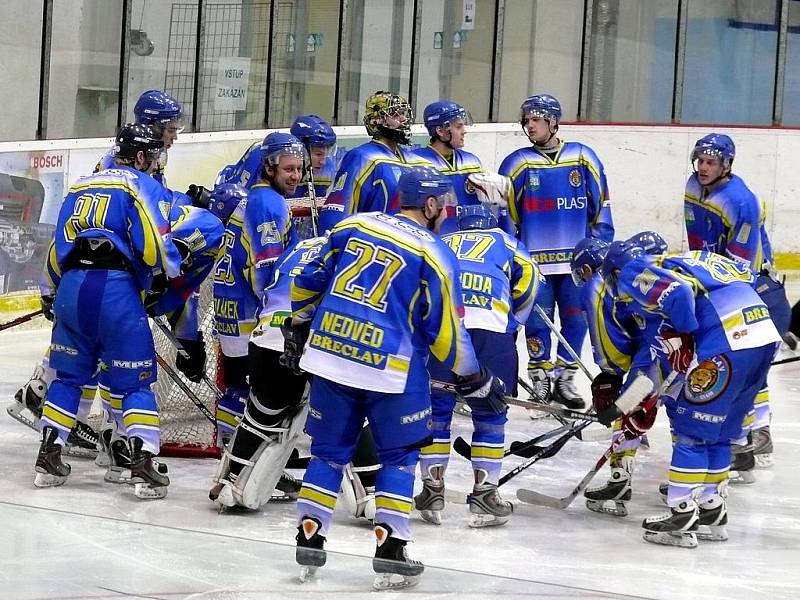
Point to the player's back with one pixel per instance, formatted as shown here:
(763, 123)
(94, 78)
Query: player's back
(383, 308)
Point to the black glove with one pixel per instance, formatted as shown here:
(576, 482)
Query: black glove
(193, 367)
(294, 339)
(483, 391)
(605, 390)
(47, 306)
(201, 197)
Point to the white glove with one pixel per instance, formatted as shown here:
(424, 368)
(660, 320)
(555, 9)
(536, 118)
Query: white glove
(492, 188)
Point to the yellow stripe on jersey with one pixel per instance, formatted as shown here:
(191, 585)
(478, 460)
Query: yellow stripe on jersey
(387, 503)
(317, 496)
(59, 416)
(709, 207)
(442, 448)
(678, 476)
(487, 452)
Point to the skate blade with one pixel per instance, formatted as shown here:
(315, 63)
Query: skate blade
(536, 415)
(477, 521)
(764, 461)
(684, 539)
(102, 460)
(117, 476)
(144, 491)
(79, 452)
(599, 506)
(394, 581)
(434, 517)
(45, 480)
(307, 573)
(742, 477)
(15, 412)
(712, 533)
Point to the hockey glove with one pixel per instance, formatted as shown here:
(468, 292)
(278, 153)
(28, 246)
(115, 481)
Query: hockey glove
(605, 390)
(47, 307)
(679, 348)
(492, 189)
(201, 197)
(193, 366)
(294, 339)
(638, 422)
(483, 391)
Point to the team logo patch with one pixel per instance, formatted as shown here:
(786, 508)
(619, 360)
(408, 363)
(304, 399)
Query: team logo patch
(145, 375)
(575, 179)
(533, 181)
(708, 380)
(688, 215)
(535, 347)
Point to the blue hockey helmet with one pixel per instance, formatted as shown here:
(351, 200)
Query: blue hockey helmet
(442, 113)
(650, 241)
(476, 216)
(588, 252)
(619, 254)
(135, 137)
(157, 107)
(417, 184)
(541, 105)
(313, 131)
(279, 144)
(224, 200)
(717, 145)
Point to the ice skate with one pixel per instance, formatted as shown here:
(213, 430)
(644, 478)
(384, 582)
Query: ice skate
(762, 448)
(613, 497)
(287, 489)
(117, 456)
(742, 463)
(712, 520)
(29, 402)
(391, 563)
(310, 553)
(540, 391)
(564, 391)
(487, 508)
(676, 528)
(148, 476)
(50, 471)
(83, 441)
(663, 491)
(430, 501)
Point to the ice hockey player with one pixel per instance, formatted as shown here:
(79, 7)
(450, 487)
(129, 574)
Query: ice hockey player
(447, 124)
(381, 295)
(367, 178)
(107, 248)
(621, 333)
(275, 414)
(559, 196)
(258, 232)
(498, 288)
(724, 216)
(719, 333)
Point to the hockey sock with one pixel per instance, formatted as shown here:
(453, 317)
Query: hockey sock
(320, 490)
(488, 444)
(61, 408)
(394, 488)
(140, 418)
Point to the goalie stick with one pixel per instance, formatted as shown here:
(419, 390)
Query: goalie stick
(182, 351)
(20, 320)
(186, 389)
(534, 497)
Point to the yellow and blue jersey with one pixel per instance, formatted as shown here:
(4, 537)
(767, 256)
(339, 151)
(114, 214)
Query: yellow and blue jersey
(382, 294)
(119, 205)
(498, 279)
(729, 220)
(275, 303)
(704, 294)
(258, 231)
(366, 181)
(556, 202)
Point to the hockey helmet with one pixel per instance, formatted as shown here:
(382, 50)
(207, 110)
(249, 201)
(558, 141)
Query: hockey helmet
(716, 145)
(619, 254)
(314, 132)
(541, 105)
(417, 184)
(135, 137)
(224, 200)
(383, 105)
(157, 107)
(650, 241)
(476, 216)
(279, 144)
(442, 113)
(588, 252)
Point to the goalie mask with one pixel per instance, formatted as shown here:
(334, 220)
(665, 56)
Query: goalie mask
(390, 116)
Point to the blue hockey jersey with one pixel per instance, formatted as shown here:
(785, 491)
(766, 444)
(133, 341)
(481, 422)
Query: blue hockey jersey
(366, 181)
(556, 203)
(498, 279)
(383, 293)
(728, 221)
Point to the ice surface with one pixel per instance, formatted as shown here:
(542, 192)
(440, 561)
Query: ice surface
(89, 539)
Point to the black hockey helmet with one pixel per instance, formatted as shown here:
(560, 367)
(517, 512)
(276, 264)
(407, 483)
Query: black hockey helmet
(134, 137)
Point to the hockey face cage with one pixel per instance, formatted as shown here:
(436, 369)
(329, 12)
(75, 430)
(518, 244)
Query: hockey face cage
(383, 106)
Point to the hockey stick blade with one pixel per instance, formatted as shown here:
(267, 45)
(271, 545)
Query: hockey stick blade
(182, 351)
(20, 320)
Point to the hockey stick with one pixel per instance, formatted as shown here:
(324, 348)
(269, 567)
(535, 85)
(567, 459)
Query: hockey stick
(780, 362)
(186, 390)
(540, 311)
(312, 192)
(525, 449)
(20, 320)
(533, 497)
(182, 351)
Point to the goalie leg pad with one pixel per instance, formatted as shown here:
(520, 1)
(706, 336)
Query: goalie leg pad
(358, 499)
(255, 483)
